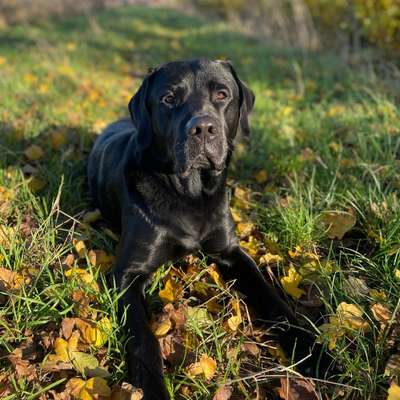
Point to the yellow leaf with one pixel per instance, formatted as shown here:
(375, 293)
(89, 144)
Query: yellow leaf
(236, 215)
(79, 274)
(350, 316)
(261, 176)
(162, 328)
(216, 276)
(335, 110)
(75, 386)
(80, 247)
(338, 223)
(100, 259)
(92, 216)
(171, 292)
(251, 246)
(296, 252)
(378, 295)
(95, 389)
(397, 273)
(278, 353)
(3, 60)
(269, 258)
(206, 366)
(95, 334)
(34, 152)
(291, 282)
(7, 234)
(36, 184)
(394, 392)
(58, 139)
(244, 228)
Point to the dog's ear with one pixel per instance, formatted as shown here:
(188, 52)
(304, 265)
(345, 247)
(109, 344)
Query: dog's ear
(140, 114)
(246, 101)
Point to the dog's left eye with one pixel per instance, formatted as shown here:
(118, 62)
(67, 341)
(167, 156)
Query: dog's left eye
(168, 98)
(221, 95)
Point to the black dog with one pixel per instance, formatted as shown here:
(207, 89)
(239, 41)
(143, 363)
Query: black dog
(161, 178)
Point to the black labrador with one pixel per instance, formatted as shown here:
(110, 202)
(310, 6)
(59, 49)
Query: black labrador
(161, 178)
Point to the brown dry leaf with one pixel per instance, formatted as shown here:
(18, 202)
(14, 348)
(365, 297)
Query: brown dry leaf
(67, 326)
(381, 313)
(297, 389)
(176, 315)
(173, 349)
(34, 152)
(11, 281)
(171, 292)
(250, 348)
(392, 367)
(338, 223)
(224, 392)
(126, 392)
(206, 366)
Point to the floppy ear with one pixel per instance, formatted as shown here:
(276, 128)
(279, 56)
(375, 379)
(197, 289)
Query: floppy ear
(140, 115)
(246, 102)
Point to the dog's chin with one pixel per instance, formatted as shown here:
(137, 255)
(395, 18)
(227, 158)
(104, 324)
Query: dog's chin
(187, 170)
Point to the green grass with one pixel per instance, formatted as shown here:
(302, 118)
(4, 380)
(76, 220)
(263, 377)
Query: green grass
(327, 133)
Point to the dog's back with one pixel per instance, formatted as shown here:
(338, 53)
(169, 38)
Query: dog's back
(104, 165)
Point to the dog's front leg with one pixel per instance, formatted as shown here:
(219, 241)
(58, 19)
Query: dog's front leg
(236, 265)
(136, 260)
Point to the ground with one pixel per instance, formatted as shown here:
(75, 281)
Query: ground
(314, 195)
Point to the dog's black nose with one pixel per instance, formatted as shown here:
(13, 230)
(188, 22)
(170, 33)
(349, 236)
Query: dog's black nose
(201, 125)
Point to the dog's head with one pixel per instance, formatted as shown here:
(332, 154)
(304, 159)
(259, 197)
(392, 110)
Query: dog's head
(187, 114)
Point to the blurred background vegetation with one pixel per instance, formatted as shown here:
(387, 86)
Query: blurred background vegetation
(308, 24)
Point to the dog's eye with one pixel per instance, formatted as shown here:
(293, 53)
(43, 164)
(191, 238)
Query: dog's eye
(168, 98)
(221, 95)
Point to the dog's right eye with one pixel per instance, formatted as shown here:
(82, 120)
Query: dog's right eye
(168, 99)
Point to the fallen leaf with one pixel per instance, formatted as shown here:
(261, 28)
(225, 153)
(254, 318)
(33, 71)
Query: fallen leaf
(94, 333)
(261, 176)
(126, 391)
(11, 281)
(381, 313)
(297, 389)
(160, 329)
(206, 366)
(224, 392)
(34, 152)
(392, 367)
(101, 259)
(290, 283)
(80, 248)
(36, 184)
(92, 389)
(171, 292)
(58, 139)
(394, 392)
(235, 320)
(338, 223)
(269, 258)
(92, 216)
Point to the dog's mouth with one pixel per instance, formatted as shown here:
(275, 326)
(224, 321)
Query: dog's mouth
(200, 164)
